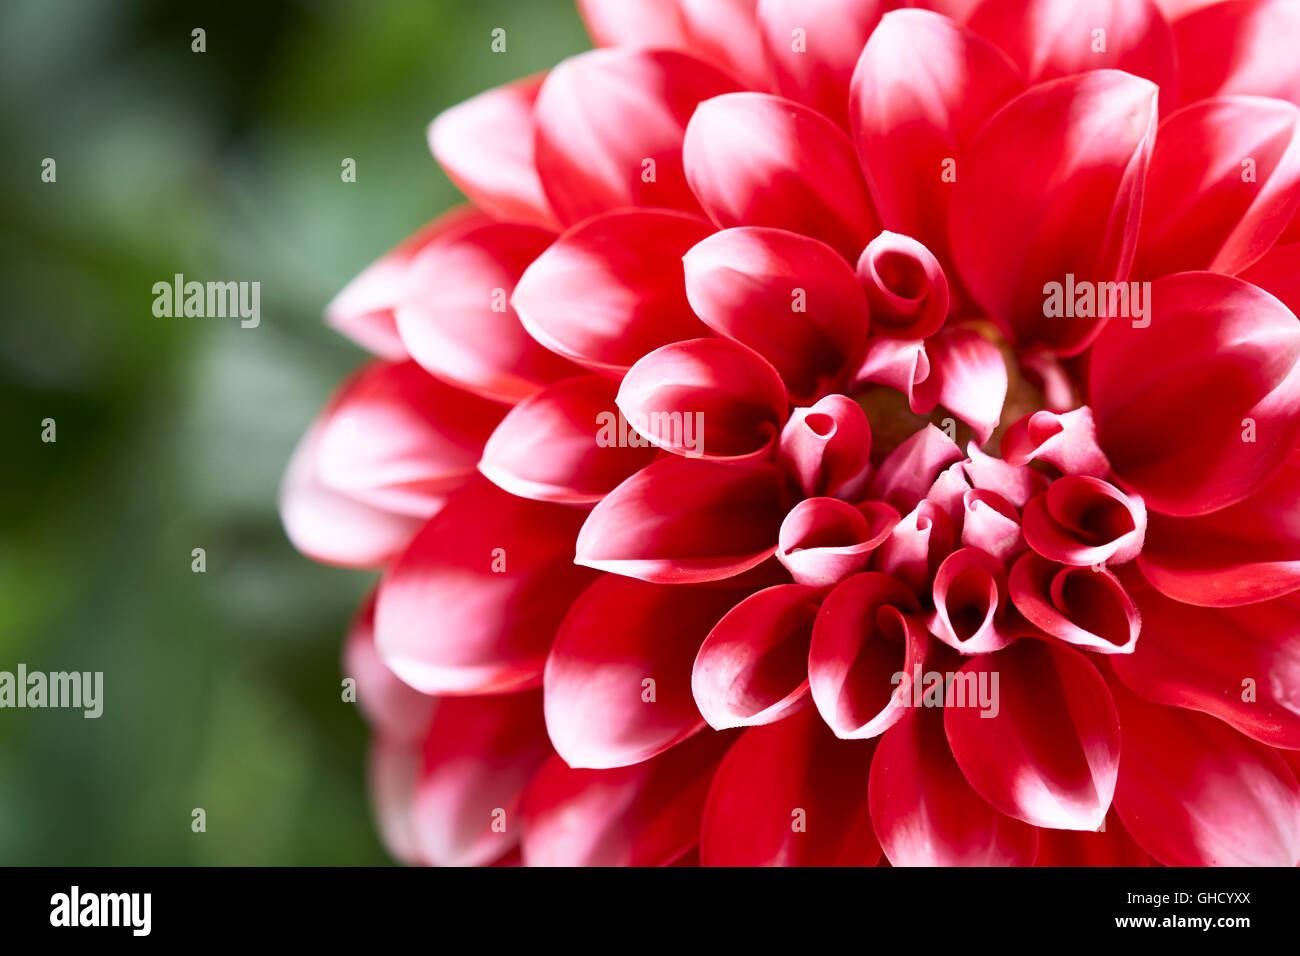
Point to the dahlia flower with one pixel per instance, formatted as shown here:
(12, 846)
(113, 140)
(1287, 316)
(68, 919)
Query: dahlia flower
(839, 432)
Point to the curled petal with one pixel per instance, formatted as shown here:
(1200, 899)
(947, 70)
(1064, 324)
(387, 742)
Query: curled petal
(1079, 148)
(485, 145)
(813, 46)
(456, 320)
(1109, 846)
(393, 709)
(905, 287)
(970, 602)
(610, 126)
(1083, 520)
(567, 443)
(1241, 664)
(1087, 607)
(1067, 440)
(686, 520)
(904, 365)
(618, 679)
(990, 524)
(759, 160)
(972, 378)
(1222, 347)
(477, 757)
(827, 448)
(925, 812)
(612, 289)
(1048, 752)
(865, 651)
(1223, 183)
(473, 602)
(1194, 792)
(1241, 554)
(824, 540)
(908, 471)
(1241, 46)
(643, 815)
(753, 667)
(790, 298)
(916, 546)
(790, 794)
(709, 398)
(923, 86)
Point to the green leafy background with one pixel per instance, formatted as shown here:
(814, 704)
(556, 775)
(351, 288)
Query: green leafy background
(221, 689)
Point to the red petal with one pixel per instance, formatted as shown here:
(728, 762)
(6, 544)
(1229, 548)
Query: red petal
(922, 88)
(925, 812)
(643, 815)
(485, 145)
(618, 679)
(823, 540)
(1223, 183)
(610, 126)
(685, 520)
(790, 298)
(1222, 347)
(1242, 46)
(828, 447)
(759, 160)
(612, 289)
(790, 794)
(456, 319)
(864, 652)
(1241, 554)
(1279, 272)
(1049, 755)
(970, 600)
(709, 398)
(1067, 440)
(905, 286)
(917, 545)
(1109, 846)
(902, 364)
(566, 444)
(1078, 148)
(753, 667)
(472, 604)
(910, 469)
(1083, 520)
(1194, 792)
(1079, 605)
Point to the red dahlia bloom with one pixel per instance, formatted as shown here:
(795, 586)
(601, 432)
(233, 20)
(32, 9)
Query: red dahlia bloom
(838, 430)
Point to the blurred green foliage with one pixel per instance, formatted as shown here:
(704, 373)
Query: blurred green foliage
(221, 689)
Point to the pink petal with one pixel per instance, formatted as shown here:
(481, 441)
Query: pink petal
(650, 23)
(1049, 40)
(905, 287)
(921, 89)
(1241, 664)
(823, 540)
(864, 652)
(618, 679)
(610, 126)
(1109, 846)
(1050, 755)
(1083, 520)
(1222, 347)
(990, 524)
(1241, 554)
(1067, 440)
(566, 444)
(686, 520)
(392, 767)
(970, 602)
(1016, 483)
(363, 311)
(709, 398)
(790, 794)
(456, 319)
(479, 754)
(398, 439)
(485, 145)
(1241, 46)
(1224, 181)
(393, 709)
(925, 812)
(612, 289)
(902, 364)
(1194, 792)
(790, 298)
(1083, 606)
(827, 448)
(916, 546)
(1079, 147)
(759, 160)
(908, 471)
(644, 815)
(753, 667)
(972, 378)
(472, 604)
(813, 46)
